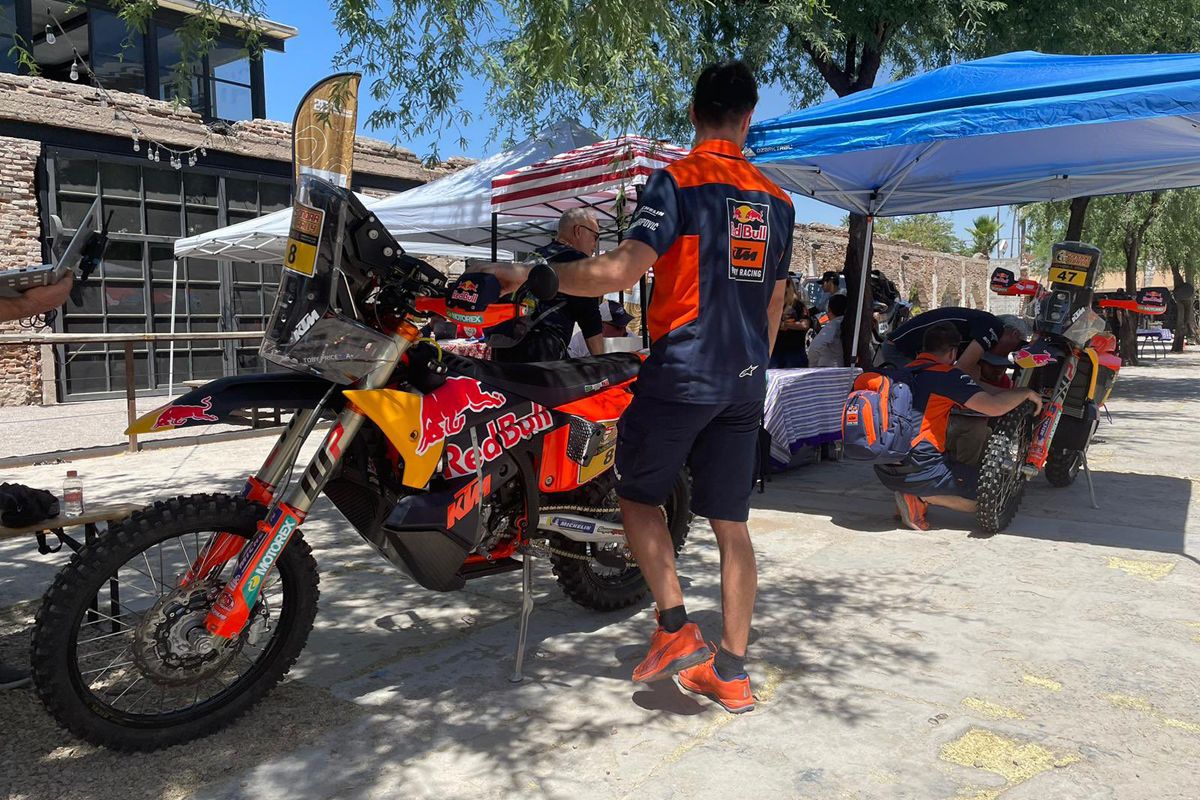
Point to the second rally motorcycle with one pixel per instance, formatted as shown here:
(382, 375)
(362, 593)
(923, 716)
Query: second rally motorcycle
(183, 616)
(1072, 363)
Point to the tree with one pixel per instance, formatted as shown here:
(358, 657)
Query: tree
(1174, 240)
(932, 231)
(985, 235)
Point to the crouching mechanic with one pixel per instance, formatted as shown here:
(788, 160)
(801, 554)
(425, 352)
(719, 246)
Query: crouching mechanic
(929, 475)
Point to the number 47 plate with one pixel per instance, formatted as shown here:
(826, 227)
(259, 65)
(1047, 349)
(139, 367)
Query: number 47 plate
(304, 238)
(1072, 277)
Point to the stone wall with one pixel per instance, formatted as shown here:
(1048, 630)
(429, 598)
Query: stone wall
(20, 246)
(930, 278)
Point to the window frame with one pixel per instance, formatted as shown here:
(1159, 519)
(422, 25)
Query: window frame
(151, 379)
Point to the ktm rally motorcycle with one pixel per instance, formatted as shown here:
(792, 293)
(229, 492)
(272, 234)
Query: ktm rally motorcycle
(183, 616)
(1073, 364)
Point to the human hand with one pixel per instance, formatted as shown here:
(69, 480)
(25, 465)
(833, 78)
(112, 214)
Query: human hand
(1036, 399)
(36, 300)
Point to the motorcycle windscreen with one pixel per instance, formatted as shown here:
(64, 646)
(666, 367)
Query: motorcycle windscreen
(307, 331)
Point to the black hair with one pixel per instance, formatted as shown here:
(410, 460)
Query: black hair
(941, 338)
(830, 276)
(724, 93)
(837, 304)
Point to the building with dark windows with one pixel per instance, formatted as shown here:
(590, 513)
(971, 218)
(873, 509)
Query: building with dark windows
(63, 142)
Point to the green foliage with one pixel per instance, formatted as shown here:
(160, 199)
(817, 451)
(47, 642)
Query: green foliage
(1174, 239)
(932, 231)
(984, 233)
(626, 65)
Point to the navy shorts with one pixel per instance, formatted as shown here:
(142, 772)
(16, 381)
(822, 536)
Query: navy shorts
(931, 477)
(655, 438)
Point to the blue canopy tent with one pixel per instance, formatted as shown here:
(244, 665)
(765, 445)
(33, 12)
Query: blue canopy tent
(1014, 128)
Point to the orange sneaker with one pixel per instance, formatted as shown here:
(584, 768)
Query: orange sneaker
(733, 695)
(671, 652)
(912, 511)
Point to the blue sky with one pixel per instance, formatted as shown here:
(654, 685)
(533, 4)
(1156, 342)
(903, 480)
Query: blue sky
(309, 57)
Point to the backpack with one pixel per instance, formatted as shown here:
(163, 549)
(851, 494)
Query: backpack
(877, 424)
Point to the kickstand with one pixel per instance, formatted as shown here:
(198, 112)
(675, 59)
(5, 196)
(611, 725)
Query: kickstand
(1087, 473)
(526, 610)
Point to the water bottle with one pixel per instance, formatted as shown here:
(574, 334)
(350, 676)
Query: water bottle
(72, 504)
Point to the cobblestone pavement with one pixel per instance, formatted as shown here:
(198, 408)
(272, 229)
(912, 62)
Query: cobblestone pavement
(1051, 661)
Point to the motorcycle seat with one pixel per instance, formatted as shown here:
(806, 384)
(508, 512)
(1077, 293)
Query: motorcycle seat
(550, 383)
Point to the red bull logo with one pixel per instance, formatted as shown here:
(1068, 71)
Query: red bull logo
(745, 213)
(444, 410)
(174, 416)
(1030, 360)
(502, 434)
(466, 292)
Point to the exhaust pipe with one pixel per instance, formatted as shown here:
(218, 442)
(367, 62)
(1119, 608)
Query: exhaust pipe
(582, 529)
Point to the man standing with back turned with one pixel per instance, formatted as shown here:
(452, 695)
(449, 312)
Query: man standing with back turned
(719, 236)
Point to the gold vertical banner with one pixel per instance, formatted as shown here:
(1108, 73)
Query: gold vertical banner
(323, 147)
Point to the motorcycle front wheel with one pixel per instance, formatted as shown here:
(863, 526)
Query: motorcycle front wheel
(1001, 484)
(1062, 467)
(120, 655)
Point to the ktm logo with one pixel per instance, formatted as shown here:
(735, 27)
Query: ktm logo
(466, 499)
(743, 253)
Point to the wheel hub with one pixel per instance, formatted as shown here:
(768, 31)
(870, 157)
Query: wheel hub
(172, 647)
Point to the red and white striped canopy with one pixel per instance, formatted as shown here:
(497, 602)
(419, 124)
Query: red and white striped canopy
(604, 176)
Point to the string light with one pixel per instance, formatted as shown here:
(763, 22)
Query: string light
(176, 156)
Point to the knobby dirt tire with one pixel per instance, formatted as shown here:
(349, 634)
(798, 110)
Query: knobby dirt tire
(57, 623)
(582, 585)
(1001, 488)
(1062, 467)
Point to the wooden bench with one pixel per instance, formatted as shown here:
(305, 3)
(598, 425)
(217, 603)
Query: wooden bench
(90, 521)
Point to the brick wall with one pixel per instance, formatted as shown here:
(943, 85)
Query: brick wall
(20, 245)
(76, 106)
(936, 279)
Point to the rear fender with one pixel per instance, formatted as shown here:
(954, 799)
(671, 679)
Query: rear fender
(217, 402)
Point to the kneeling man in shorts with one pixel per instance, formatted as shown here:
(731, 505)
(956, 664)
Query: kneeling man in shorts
(928, 475)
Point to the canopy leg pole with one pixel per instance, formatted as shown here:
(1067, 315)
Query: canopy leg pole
(171, 346)
(495, 235)
(862, 287)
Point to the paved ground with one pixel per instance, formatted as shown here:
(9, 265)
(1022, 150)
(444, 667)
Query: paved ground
(1049, 662)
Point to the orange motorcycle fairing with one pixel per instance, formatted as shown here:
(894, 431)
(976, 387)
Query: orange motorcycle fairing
(398, 414)
(559, 472)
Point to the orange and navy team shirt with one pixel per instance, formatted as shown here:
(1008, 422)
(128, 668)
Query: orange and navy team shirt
(723, 234)
(936, 390)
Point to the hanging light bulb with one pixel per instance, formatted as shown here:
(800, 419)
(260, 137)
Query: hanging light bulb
(192, 160)
(137, 144)
(149, 153)
(156, 158)
(50, 37)
(203, 152)
(75, 70)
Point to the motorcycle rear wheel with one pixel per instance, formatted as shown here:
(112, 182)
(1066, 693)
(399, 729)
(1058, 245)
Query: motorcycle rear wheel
(613, 588)
(1062, 467)
(80, 610)
(1001, 484)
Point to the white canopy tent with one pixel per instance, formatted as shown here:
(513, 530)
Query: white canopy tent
(450, 216)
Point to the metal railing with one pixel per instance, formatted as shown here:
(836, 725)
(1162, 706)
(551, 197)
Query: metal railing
(129, 340)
